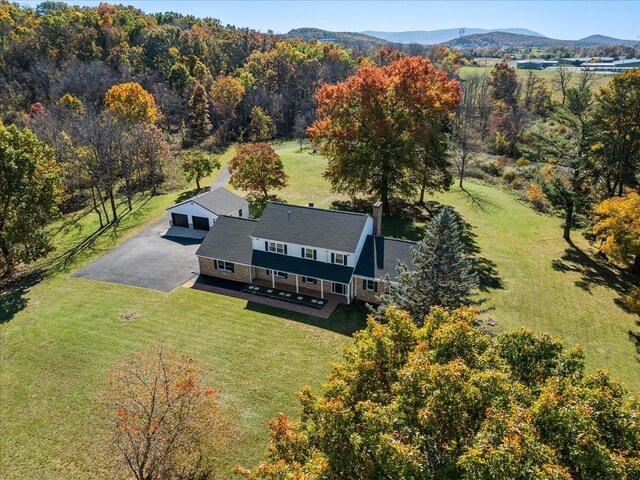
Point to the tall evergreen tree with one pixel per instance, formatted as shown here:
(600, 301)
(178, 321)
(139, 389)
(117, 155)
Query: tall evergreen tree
(443, 274)
(199, 113)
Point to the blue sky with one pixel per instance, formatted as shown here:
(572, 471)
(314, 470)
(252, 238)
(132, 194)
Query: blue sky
(557, 19)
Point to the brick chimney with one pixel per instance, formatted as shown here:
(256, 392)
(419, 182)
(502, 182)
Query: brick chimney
(377, 219)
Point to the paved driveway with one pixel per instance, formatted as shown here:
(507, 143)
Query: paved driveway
(148, 260)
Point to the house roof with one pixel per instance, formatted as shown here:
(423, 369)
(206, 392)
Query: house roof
(313, 227)
(301, 266)
(229, 239)
(380, 255)
(219, 201)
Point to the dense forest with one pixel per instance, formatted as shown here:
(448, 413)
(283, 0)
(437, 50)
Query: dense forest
(111, 97)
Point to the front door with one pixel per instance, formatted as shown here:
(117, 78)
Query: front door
(180, 220)
(339, 288)
(200, 223)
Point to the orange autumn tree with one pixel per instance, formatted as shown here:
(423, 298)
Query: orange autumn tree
(257, 168)
(132, 102)
(384, 129)
(164, 422)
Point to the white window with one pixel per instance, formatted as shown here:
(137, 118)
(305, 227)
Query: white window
(339, 258)
(310, 280)
(224, 266)
(370, 285)
(309, 253)
(276, 273)
(339, 288)
(276, 247)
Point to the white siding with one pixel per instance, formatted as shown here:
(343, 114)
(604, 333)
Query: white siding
(192, 209)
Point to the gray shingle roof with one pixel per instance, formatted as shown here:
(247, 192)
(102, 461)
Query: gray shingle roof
(301, 266)
(380, 255)
(230, 240)
(219, 201)
(313, 227)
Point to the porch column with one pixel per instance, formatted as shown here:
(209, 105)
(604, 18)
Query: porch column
(250, 274)
(321, 288)
(347, 293)
(297, 289)
(273, 279)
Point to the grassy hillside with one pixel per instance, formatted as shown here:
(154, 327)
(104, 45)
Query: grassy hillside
(60, 336)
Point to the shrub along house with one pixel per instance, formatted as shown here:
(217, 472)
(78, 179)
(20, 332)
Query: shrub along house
(201, 212)
(306, 249)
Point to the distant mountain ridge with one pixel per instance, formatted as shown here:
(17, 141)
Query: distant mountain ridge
(433, 37)
(504, 39)
(510, 37)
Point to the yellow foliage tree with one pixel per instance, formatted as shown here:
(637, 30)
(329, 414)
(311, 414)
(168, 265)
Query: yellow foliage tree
(618, 229)
(132, 102)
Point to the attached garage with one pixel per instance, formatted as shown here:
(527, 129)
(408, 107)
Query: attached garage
(202, 211)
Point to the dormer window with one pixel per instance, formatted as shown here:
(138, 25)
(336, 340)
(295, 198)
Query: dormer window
(309, 253)
(276, 247)
(339, 258)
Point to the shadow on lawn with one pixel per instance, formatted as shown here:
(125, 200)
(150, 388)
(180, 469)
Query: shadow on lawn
(593, 271)
(345, 320)
(478, 201)
(13, 294)
(64, 260)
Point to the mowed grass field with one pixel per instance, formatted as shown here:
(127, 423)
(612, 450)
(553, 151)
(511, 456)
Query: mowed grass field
(60, 337)
(551, 76)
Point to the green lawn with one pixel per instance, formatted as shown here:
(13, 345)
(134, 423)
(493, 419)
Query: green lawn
(60, 336)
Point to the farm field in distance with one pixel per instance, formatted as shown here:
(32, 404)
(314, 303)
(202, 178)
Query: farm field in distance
(598, 80)
(62, 335)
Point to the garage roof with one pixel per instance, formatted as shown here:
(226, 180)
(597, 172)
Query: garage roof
(219, 201)
(311, 227)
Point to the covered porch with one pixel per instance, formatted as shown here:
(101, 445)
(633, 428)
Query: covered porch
(323, 289)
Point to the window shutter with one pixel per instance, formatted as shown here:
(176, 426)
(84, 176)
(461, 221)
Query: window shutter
(302, 252)
(333, 258)
(315, 254)
(344, 259)
(375, 286)
(285, 248)
(266, 246)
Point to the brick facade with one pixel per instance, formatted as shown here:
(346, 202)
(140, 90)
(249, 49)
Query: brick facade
(290, 282)
(240, 273)
(365, 295)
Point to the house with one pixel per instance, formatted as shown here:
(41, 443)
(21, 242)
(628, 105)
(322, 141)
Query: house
(202, 211)
(297, 248)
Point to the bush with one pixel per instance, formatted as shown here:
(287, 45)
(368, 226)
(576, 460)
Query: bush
(495, 168)
(522, 163)
(536, 197)
(632, 301)
(510, 176)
